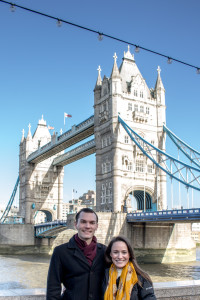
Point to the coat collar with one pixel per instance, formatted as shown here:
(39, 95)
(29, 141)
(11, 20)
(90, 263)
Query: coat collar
(79, 254)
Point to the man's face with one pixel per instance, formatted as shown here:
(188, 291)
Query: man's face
(86, 226)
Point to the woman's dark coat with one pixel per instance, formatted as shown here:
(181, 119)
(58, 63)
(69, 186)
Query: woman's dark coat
(144, 292)
(69, 266)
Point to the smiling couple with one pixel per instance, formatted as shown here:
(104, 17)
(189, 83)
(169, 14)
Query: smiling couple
(81, 267)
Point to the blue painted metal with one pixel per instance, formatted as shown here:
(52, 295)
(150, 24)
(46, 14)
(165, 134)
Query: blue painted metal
(164, 158)
(49, 229)
(10, 202)
(165, 216)
(76, 134)
(184, 147)
(13, 220)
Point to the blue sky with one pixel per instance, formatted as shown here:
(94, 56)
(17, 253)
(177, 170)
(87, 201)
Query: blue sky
(49, 70)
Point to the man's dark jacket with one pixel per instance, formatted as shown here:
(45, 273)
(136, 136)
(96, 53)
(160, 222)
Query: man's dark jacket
(144, 292)
(70, 267)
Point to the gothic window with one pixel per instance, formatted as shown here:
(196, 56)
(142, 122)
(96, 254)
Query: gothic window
(128, 87)
(106, 167)
(135, 107)
(129, 166)
(150, 169)
(103, 198)
(135, 93)
(147, 110)
(103, 168)
(141, 94)
(130, 106)
(139, 166)
(126, 139)
(141, 108)
(110, 198)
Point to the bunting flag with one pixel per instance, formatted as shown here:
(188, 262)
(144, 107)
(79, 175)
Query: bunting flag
(66, 116)
(50, 127)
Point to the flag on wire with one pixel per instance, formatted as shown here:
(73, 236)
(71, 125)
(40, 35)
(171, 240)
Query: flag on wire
(66, 116)
(50, 127)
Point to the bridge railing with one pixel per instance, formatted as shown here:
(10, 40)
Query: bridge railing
(165, 215)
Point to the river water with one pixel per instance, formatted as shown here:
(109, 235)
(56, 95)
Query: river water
(30, 271)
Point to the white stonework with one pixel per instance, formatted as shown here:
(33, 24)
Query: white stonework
(121, 168)
(41, 185)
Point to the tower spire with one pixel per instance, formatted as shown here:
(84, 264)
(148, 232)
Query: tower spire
(159, 84)
(22, 139)
(29, 136)
(115, 70)
(99, 80)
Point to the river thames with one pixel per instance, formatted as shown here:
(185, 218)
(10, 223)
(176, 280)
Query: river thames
(30, 271)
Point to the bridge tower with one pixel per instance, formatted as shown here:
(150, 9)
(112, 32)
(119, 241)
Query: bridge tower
(121, 168)
(41, 185)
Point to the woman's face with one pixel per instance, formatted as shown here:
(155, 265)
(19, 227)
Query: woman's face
(119, 254)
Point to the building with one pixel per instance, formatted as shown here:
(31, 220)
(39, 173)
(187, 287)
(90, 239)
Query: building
(122, 171)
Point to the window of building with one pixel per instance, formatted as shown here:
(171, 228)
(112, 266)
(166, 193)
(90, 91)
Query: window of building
(129, 167)
(130, 106)
(102, 187)
(135, 107)
(150, 169)
(103, 198)
(141, 108)
(110, 185)
(135, 93)
(141, 94)
(139, 166)
(126, 140)
(147, 110)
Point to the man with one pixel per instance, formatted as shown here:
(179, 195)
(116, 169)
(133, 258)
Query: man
(78, 264)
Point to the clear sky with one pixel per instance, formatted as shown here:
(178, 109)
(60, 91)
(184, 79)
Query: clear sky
(49, 70)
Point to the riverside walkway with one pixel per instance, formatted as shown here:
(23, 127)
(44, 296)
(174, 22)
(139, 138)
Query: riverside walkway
(178, 290)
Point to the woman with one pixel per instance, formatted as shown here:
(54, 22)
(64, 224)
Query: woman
(124, 280)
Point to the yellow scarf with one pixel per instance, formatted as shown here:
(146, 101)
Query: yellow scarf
(127, 280)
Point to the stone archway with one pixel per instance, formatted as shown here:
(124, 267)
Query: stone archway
(141, 204)
(43, 215)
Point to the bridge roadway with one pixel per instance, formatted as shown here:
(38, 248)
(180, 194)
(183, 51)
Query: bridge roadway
(52, 229)
(170, 216)
(59, 143)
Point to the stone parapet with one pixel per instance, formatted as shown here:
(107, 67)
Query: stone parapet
(179, 290)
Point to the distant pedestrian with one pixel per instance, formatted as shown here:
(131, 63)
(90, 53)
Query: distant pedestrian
(79, 264)
(125, 280)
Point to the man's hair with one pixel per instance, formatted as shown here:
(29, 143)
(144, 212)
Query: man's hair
(85, 210)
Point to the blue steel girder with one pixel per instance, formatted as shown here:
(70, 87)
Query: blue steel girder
(178, 170)
(10, 202)
(192, 154)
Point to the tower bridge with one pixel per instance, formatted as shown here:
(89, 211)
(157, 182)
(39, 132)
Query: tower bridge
(129, 140)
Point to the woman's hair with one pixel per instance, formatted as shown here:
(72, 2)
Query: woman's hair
(132, 258)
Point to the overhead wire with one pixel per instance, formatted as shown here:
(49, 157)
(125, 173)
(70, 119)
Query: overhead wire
(101, 35)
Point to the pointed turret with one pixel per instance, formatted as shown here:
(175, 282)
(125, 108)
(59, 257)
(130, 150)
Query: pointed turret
(23, 138)
(159, 91)
(99, 80)
(159, 84)
(115, 70)
(29, 135)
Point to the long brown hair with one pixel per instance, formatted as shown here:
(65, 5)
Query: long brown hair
(132, 258)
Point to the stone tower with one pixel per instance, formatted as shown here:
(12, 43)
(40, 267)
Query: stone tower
(122, 170)
(41, 185)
